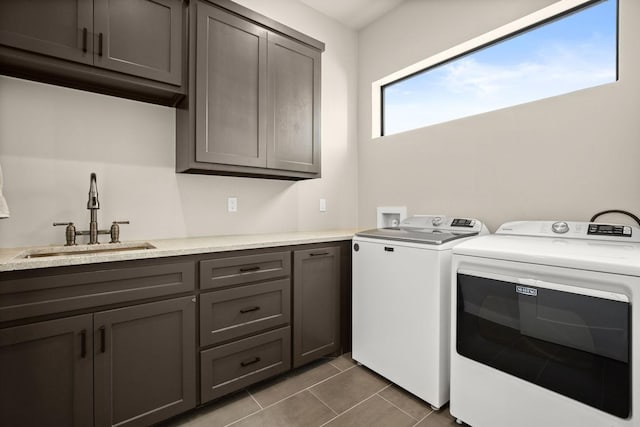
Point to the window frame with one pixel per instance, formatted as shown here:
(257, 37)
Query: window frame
(511, 29)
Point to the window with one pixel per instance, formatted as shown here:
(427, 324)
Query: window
(565, 47)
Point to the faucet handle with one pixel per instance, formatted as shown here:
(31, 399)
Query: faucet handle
(115, 231)
(70, 232)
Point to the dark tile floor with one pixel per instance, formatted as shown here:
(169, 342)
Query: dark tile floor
(332, 392)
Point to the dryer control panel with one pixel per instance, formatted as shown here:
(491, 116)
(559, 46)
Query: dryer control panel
(572, 229)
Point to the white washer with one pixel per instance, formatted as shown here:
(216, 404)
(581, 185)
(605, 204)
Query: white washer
(401, 298)
(541, 326)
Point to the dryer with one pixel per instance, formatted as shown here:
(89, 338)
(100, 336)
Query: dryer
(541, 326)
(400, 301)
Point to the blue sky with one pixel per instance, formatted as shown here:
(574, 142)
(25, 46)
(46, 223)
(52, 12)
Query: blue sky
(569, 54)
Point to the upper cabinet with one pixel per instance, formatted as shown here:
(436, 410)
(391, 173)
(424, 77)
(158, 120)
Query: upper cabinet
(139, 37)
(253, 106)
(130, 48)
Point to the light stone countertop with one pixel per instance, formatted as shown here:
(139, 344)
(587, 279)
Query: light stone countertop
(12, 259)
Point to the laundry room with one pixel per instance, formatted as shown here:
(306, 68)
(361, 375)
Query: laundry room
(193, 192)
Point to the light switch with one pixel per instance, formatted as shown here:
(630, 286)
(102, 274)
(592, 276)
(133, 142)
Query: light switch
(323, 205)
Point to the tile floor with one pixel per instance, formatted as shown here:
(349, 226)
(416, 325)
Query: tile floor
(332, 392)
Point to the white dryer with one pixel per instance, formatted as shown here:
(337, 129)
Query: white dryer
(401, 301)
(541, 324)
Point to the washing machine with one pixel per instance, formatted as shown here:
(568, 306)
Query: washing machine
(400, 301)
(542, 326)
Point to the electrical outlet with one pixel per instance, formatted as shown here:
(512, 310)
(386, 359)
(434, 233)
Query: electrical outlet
(232, 204)
(323, 205)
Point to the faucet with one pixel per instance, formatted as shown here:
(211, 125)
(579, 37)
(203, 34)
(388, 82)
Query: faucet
(93, 205)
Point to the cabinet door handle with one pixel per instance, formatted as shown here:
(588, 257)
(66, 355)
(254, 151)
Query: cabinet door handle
(103, 340)
(388, 249)
(247, 269)
(84, 40)
(100, 44)
(318, 253)
(83, 344)
(250, 309)
(249, 361)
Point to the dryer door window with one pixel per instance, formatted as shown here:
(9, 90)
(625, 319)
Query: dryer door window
(574, 344)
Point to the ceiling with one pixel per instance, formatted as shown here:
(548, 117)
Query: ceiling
(354, 14)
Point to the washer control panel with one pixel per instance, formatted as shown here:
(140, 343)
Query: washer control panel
(442, 222)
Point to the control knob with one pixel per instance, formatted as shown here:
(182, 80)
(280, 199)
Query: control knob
(436, 221)
(560, 227)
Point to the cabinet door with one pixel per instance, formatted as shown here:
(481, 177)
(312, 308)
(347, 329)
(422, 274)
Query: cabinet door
(144, 362)
(46, 373)
(294, 106)
(60, 28)
(140, 37)
(231, 61)
(316, 304)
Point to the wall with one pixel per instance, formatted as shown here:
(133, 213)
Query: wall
(565, 157)
(52, 138)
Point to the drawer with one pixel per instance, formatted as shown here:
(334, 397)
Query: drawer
(237, 270)
(234, 366)
(231, 313)
(56, 293)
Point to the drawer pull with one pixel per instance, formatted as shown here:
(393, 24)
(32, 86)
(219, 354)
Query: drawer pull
(247, 269)
(250, 309)
(249, 361)
(388, 249)
(319, 253)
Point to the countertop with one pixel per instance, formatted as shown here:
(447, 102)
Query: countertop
(12, 259)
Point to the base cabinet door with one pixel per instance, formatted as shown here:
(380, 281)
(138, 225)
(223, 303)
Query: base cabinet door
(316, 304)
(46, 373)
(144, 362)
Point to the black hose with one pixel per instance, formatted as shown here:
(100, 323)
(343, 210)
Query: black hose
(635, 218)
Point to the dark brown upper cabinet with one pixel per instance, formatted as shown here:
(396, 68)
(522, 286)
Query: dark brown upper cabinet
(253, 106)
(128, 48)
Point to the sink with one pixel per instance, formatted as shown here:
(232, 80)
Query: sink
(57, 251)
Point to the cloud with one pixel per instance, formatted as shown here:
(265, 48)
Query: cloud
(474, 84)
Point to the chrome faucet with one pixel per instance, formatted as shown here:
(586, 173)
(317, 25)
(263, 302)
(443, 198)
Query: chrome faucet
(93, 205)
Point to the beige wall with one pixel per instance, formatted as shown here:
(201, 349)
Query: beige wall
(565, 157)
(52, 138)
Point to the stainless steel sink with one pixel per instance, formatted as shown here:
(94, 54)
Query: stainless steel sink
(58, 251)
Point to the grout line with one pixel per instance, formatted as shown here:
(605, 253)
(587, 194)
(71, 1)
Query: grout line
(347, 410)
(423, 418)
(396, 406)
(254, 399)
(306, 388)
(323, 402)
(243, 418)
(296, 393)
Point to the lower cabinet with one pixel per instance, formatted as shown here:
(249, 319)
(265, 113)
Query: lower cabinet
(316, 303)
(46, 373)
(130, 366)
(144, 362)
(230, 367)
